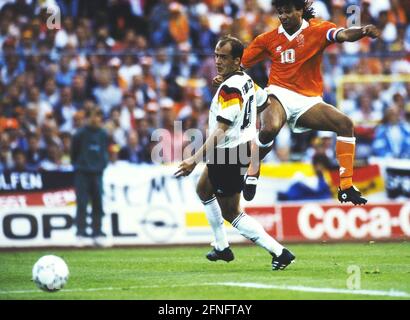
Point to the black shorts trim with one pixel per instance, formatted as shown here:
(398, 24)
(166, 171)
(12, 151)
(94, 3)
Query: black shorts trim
(223, 120)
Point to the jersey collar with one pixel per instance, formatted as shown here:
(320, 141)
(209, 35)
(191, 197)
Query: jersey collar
(238, 72)
(304, 25)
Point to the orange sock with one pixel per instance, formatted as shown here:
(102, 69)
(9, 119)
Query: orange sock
(345, 148)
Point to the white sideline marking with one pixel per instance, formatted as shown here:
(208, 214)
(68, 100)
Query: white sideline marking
(391, 293)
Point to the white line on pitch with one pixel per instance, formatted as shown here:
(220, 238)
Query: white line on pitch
(391, 293)
(102, 288)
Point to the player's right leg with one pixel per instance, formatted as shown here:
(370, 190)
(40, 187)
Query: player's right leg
(221, 250)
(253, 230)
(81, 185)
(326, 117)
(273, 119)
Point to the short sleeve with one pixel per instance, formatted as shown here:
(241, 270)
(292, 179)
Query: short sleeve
(230, 102)
(330, 31)
(256, 51)
(261, 96)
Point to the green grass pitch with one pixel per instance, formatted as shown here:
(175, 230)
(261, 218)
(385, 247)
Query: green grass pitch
(184, 273)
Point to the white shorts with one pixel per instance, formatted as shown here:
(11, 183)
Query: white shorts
(295, 105)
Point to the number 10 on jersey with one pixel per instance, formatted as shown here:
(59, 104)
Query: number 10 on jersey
(287, 56)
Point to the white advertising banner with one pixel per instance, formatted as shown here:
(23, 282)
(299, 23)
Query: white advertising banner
(147, 205)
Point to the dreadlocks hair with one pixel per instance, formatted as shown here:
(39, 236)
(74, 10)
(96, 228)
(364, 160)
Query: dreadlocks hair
(306, 5)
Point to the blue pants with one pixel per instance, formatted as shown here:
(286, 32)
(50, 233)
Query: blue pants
(88, 186)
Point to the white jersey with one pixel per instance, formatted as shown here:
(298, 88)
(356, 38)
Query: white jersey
(235, 103)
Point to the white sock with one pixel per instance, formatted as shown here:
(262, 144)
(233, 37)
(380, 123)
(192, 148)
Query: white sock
(253, 230)
(215, 219)
(262, 145)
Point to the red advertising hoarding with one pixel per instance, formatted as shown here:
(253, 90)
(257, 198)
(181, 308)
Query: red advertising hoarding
(333, 222)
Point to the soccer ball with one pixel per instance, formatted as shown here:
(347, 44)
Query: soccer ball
(50, 273)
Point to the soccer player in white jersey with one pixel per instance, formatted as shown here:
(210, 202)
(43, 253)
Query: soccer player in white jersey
(232, 126)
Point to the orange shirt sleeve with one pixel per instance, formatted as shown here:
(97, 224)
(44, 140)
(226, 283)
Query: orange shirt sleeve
(255, 52)
(328, 32)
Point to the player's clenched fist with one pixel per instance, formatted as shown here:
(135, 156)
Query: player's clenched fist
(216, 82)
(371, 31)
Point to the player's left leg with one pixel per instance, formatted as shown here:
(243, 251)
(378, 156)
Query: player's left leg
(97, 204)
(325, 117)
(273, 118)
(253, 230)
(221, 250)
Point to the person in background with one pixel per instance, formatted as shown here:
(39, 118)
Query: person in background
(309, 188)
(89, 155)
(19, 160)
(392, 137)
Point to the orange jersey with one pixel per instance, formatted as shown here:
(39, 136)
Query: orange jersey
(296, 59)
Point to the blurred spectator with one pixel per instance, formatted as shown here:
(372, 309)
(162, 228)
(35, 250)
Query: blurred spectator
(185, 63)
(64, 76)
(6, 160)
(203, 38)
(132, 151)
(49, 131)
(392, 137)
(162, 65)
(388, 29)
(50, 94)
(366, 115)
(68, 7)
(128, 111)
(145, 134)
(66, 140)
(309, 188)
(158, 23)
(79, 91)
(65, 110)
(78, 119)
(143, 92)
(113, 150)
(321, 10)
(54, 159)
(12, 68)
(322, 144)
(34, 154)
(178, 23)
(19, 161)
(66, 35)
(365, 120)
(107, 94)
(113, 126)
(128, 70)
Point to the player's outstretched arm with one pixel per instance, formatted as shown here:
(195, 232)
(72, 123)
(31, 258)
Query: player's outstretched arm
(188, 165)
(353, 34)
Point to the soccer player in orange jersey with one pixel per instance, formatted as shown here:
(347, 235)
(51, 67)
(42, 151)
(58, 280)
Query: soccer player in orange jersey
(296, 87)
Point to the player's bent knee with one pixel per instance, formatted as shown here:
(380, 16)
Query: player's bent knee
(202, 192)
(267, 135)
(345, 127)
(272, 127)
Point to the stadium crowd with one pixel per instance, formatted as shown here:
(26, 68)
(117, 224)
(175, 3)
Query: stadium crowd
(147, 64)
